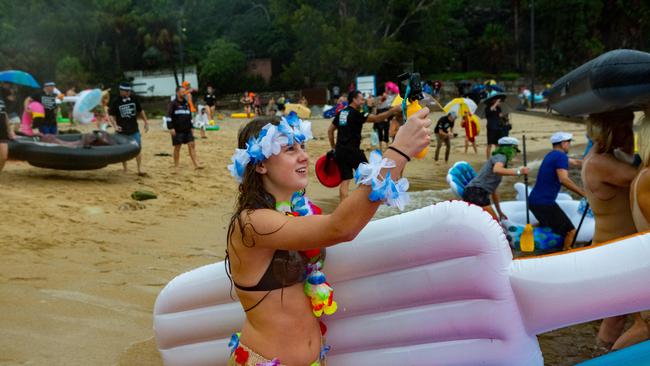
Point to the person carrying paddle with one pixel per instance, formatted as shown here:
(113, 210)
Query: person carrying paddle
(554, 173)
(484, 186)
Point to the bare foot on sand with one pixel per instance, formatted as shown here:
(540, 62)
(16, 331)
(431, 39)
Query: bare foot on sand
(638, 332)
(610, 330)
(143, 174)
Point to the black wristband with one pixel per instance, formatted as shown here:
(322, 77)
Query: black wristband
(399, 152)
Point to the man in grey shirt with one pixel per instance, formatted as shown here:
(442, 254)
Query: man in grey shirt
(486, 182)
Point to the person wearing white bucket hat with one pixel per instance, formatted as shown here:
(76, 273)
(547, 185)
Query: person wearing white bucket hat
(484, 186)
(554, 173)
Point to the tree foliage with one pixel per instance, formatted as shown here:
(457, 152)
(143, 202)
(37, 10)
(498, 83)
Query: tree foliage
(311, 42)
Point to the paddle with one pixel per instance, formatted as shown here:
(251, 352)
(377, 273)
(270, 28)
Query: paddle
(582, 219)
(527, 241)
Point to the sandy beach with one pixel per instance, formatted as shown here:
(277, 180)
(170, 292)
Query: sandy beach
(82, 263)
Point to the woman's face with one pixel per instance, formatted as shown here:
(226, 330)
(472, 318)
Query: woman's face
(287, 171)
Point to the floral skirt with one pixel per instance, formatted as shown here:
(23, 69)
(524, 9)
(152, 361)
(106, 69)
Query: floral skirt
(244, 356)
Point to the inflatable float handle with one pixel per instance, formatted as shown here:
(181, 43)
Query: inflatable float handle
(582, 285)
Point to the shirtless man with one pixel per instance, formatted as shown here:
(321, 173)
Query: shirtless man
(606, 183)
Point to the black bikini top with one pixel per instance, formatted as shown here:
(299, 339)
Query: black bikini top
(287, 268)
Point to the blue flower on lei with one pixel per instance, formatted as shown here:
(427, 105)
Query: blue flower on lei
(366, 172)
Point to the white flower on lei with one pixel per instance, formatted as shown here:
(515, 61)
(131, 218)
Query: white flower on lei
(271, 143)
(398, 195)
(366, 172)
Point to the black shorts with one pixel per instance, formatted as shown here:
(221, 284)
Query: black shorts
(477, 196)
(552, 216)
(493, 136)
(382, 130)
(348, 160)
(182, 137)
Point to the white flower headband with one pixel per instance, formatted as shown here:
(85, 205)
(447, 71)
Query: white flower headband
(270, 142)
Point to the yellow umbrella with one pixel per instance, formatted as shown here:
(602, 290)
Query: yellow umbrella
(460, 105)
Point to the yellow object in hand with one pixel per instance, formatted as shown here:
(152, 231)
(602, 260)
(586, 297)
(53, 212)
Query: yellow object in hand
(410, 109)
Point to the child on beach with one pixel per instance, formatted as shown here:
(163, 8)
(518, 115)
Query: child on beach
(202, 120)
(277, 237)
(471, 130)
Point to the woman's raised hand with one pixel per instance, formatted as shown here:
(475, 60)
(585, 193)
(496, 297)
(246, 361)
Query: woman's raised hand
(415, 135)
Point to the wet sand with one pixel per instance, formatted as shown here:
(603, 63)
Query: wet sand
(82, 263)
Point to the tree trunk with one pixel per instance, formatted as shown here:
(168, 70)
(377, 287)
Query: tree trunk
(515, 5)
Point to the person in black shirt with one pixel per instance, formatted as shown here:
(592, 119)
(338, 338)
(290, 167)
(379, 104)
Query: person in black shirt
(494, 130)
(47, 98)
(348, 123)
(444, 131)
(123, 114)
(179, 123)
(6, 134)
(211, 101)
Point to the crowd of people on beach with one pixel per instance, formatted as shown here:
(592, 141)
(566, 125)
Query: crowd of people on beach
(273, 216)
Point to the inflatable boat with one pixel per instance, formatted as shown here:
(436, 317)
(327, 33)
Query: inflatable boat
(70, 153)
(435, 286)
(614, 80)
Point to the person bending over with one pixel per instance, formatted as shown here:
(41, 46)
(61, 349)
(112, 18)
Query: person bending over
(479, 190)
(444, 131)
(348, 123)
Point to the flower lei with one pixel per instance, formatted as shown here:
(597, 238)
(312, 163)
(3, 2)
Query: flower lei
(269, 142)
(383, 188)
(316, 286)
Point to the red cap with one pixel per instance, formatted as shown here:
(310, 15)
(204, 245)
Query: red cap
(327, 171)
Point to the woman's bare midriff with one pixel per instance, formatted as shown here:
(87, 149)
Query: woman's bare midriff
(610, 205)
(282, 326)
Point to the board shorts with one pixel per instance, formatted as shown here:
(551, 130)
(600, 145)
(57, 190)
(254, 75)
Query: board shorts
(47, 129)
(477, 196)
(135, 136)
(182, 137)
(348, 160)
(552, 216)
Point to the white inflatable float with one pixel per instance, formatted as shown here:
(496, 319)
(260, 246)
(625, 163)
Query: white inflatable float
(435, 286)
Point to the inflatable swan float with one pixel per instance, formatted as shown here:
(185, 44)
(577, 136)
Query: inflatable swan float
(434, 286)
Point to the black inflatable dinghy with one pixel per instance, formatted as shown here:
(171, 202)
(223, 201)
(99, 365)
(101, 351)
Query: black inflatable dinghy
(617, 79)
(74, 151)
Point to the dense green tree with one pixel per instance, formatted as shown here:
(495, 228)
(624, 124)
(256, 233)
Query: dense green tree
(310, 42)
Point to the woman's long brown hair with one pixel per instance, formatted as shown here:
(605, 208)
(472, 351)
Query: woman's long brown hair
(252, 195)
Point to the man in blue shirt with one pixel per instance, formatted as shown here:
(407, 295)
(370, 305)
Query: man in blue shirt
(554, 173)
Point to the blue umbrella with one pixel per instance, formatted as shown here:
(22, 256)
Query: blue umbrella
(19, 78)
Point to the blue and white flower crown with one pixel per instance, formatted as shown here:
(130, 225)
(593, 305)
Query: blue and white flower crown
(269, 142)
